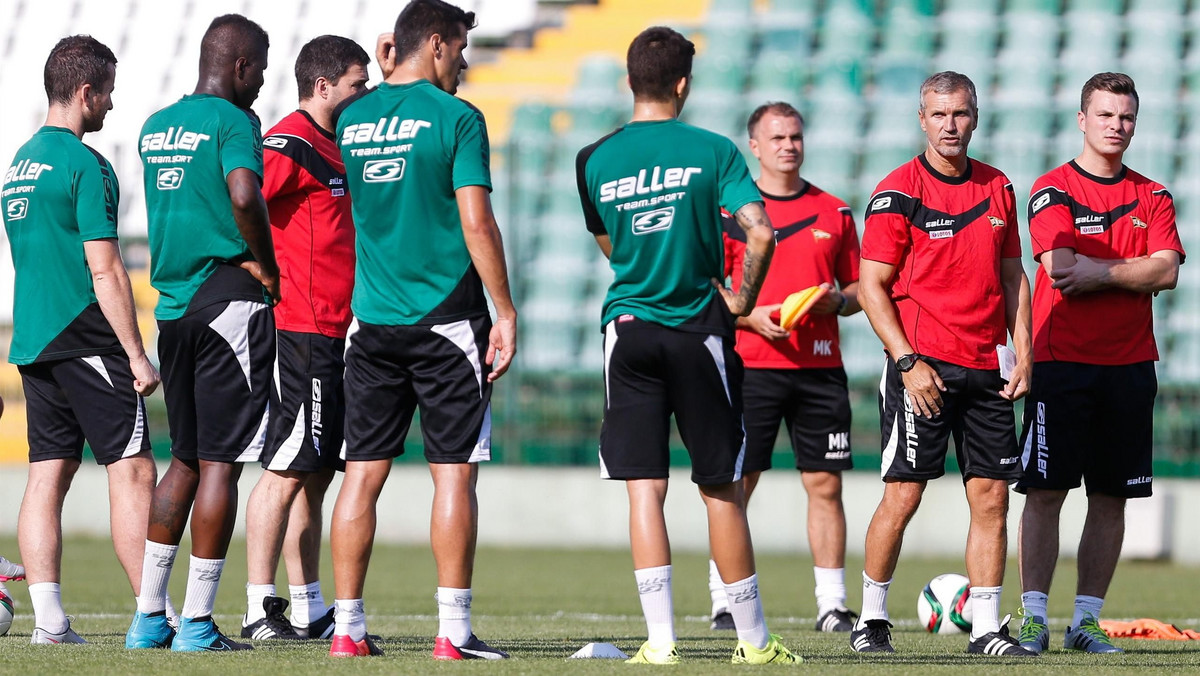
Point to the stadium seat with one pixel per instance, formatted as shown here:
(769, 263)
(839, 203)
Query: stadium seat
(776, 77)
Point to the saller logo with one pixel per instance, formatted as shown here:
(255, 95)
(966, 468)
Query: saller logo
(1043, 455)
(383, 171)
(275, 141)
(386, 129)
(881, 203)
(169, 178)
(653, 221)
(1041, 201)
(16, 209)
(910, 430)
(659, 179)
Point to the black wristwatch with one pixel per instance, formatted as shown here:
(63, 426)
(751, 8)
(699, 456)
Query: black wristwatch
(907, 362)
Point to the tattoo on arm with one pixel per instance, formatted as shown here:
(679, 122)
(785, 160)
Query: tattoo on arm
(756, 258)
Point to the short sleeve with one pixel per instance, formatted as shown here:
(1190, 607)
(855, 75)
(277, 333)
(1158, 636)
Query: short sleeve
(279, 169)
(735, 186)
(591, 215)
(848, 257)
(96, 184)
(1163, 233)
(733, 247)
(886, 227)
(241, 144)
(471, 152)
(1011, 247)
(1050, 223)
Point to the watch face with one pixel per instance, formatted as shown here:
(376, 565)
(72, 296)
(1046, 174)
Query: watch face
(906, 362)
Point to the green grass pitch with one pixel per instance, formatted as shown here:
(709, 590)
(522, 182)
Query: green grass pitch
(543, 605)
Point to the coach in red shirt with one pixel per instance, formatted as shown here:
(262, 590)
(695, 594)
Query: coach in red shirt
(304, 183)
(1105, 240)
(796, 376)
(942, 283)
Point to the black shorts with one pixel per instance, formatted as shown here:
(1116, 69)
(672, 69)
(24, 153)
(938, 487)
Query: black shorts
(92, 398)
(815, 404)
(651, 372)
(392, 370)
(306, 403)
(216, 370)
(1090, 423)
(973, 412)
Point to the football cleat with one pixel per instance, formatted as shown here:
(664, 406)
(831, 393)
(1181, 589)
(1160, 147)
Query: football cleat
(1034, 635)
(998, 643)
(837, 620)
(43, 637)
(473, 649)
(722, 621)
(1089, 638)
(149, 630)
(773, 653)
(10, 571)
(201, 634)
(274, 625)
(874, 637)
(344, 646)
(322, 627)
(647, 654)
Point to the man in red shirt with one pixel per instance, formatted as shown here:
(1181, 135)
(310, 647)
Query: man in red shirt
(304, 184)
(1106, 242)
(796, 376)
(941, 281)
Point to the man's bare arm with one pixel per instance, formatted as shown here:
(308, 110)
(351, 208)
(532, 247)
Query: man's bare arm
(1145, 274)
(482, 236)
(115, 296)
(250, 214)
(760, 246)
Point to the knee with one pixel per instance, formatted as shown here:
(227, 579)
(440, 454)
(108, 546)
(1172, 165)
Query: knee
(825, 488)
(1043, 502)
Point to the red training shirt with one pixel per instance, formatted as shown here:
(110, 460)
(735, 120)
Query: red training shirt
(1126, 216)
(304, 183)
(946, 236)
(815, 242)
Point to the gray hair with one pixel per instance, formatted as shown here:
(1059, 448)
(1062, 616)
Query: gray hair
(948, 82)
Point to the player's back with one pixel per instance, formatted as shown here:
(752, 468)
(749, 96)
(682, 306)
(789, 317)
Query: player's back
(58, 193)
(656, 189)
(407, 149)
(188, 149)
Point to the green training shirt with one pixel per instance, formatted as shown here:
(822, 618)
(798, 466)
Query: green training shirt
(58, 193)
(657, 189)
(407, 148)
(188, 149)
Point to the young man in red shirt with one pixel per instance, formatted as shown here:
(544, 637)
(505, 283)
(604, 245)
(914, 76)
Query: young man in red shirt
(304, 183)
(796, 376)
(1105, 240)
(941, 281)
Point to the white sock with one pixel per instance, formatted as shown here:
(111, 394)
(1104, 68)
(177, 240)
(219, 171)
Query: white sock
(349, 618)
(654, 591)
(830, 590)
(1084, 605)
(1034, 604)
(48, 614)
(716, 590)
(308, 605)
(204, 576)
(172, 614)
(985, 604)
(255, 593)
(156, 573)
(746, 607)
(874, 605)
(454, 614)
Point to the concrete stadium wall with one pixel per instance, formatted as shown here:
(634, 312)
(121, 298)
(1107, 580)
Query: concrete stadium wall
(572, 507)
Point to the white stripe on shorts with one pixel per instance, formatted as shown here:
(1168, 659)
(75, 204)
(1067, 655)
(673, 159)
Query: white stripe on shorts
(233, 325)
(291, 446)
(463, 337)
(139, 430)
(716, 347)
(889, 450)
(97, 365)
(253, 452)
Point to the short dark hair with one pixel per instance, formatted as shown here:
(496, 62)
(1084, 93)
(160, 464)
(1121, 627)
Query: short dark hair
(329, 57)
(658, 58)
(421, 19)
(777, 107)
(231, 36)
(75, 61)
(1115, 83)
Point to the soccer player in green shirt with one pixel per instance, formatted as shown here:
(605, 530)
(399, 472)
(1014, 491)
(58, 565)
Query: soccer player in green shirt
(212, 262)
(75, 334)
(426, 246)
(652, 193)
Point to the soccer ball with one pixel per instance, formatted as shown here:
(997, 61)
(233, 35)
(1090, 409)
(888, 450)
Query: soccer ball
(6, 611)
(944, 606)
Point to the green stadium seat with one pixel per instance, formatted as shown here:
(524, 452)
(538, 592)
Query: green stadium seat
(1154, 36)
(968, 33)
(906, 32)
(776, 77)
(791, 41)
(718, 74)
(988, 6)
(1039, 6)
(845, 30)
(1107, 6)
